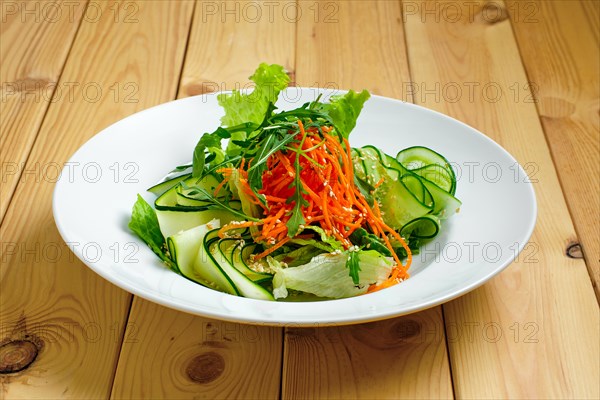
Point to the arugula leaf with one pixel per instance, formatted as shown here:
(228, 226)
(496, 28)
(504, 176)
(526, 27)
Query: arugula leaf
(301, 112)
(344, 110)
(297, 217)
(353, 265)
(360, 237)
(144, 223)
(259, 165)
(199, 193)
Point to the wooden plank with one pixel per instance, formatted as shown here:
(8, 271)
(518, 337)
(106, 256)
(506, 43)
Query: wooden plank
(243, 34)
(512, 338)
(178, 355)
(36, 39)
(51, 304)
(170, 354)
(565, 35)
(397, 358)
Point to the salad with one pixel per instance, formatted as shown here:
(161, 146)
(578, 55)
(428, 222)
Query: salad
(287, 209)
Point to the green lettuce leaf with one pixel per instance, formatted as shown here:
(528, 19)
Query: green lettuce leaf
(344, 110)
(212, 143)
(333, 243)
(326, 275)
(248, 207)
(242, 108)
(144, 223)
(301, 255)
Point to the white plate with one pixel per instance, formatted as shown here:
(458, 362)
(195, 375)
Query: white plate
(95, 193)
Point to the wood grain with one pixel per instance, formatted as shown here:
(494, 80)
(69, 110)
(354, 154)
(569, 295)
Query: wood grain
(532, 332)
(34, 49)
(565, 36)
(170, 354)
(209, 358)
(335, 54)
(393, 359)
(229, 40)
(71, 316)
(397, 358)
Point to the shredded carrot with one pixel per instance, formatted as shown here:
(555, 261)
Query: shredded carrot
(272, 249)
(275, 199)
(334, 203)
(220, 186)
(236, 225)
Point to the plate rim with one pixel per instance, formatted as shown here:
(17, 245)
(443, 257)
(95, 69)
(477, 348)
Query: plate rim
(382, 313)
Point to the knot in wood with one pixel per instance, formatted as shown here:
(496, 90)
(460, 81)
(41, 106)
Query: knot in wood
(406, 329)
(17, 355)
(574, 251)
(205, 367)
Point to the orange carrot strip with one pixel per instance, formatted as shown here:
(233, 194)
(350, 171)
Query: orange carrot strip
(278, 230)
(236, 225)
(275, 199)
(220, 186)
(272, 249)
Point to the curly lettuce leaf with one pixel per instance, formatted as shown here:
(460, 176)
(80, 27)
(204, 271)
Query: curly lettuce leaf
(251, 107)
(344, 110)
(326, 275)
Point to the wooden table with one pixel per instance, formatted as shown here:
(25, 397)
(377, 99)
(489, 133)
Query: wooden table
(524, 72)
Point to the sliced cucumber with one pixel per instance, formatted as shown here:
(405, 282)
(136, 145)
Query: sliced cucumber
(168, 200)
(184, 247)
(239, 259)
(372, 164)
(226, 248)
(182, 200)
(359, 165)
(445, 204)
(208, 269)
(172, 222)
(424, 227)
(402, 195)
(399, 205)
(434, 194)
(438, 175)
(243, 284)
(162, 187)
(417, 157)
(415, 186)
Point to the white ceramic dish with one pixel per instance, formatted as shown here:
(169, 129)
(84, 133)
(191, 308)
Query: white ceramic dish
(94, 195)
